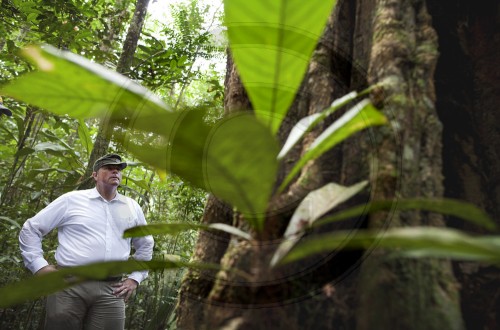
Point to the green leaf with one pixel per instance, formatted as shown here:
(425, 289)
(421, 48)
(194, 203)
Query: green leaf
(38, 286)
(407, 242)
(361, 116)
(230, 230)
(49, 146)
(36, 194)
(235, 159)
(307, 123)
(84, 135)
(241, 165)
(320, 201)
(139, 183)
(271, 43)
(25, 151)
(312, 207)
(176, 228)
(66, 83)
(34, 172)
(9, 220)
(457, 208)
(162, 229)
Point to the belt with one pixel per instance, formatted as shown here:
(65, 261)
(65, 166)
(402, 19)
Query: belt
(116, 278)
(112, 279)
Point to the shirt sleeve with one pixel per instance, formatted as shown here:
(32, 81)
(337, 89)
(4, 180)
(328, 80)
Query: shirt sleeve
(35, 228)
(143, 246)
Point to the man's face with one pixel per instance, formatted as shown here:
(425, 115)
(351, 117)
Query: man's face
(108, 175)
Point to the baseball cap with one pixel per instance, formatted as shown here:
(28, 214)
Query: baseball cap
(109, 159)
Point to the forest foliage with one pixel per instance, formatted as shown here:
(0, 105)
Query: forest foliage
(44, 154)
(235, 158)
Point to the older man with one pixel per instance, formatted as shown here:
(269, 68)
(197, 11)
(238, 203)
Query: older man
(90, 227)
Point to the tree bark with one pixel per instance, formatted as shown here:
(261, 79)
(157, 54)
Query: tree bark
(405, 293)
(468, 95)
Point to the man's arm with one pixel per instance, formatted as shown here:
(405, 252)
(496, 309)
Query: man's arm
(143, 247)
(32, 232)
(143, 251)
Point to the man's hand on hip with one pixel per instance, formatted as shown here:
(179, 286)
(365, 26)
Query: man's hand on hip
(125, 288)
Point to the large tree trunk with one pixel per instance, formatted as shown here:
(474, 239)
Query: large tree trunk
(405, 293)
(468, 97)
(366, 42)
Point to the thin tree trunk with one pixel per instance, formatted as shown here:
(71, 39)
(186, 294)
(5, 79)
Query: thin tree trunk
(103, 138)
(30, 131)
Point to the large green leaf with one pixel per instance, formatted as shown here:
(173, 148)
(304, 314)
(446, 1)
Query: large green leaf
(425, 243)
(66, 83)
(457, 208)
(235, 159)
(271, 42)
(361, 116)
(38, 286)
(409, 242)
(241, 164)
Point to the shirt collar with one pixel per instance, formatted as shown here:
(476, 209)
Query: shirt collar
(93, 194)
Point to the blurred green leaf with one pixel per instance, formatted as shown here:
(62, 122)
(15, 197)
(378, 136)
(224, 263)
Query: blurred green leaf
(49, 146)
(408, 242)
(10, 221)
(271, 43)
(25, 151)
(235, 159)
(162, 229)
(307, 123)
(139, 183)
(457, 208)
(312, 207)
(240, 165)
(38, 286)
(176, 228)
(361, 116)
(230, 230)
(66, 83)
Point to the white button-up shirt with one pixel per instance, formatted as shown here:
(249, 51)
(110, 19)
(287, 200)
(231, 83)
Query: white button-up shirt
(90, 229)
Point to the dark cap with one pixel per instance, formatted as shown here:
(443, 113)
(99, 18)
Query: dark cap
(109, 159)
(4, 110)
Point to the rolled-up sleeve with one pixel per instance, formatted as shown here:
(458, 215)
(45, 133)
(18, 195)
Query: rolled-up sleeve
(35, 228)
(143, 247)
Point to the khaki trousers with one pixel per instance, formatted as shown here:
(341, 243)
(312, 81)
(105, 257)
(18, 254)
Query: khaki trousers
(90, 305)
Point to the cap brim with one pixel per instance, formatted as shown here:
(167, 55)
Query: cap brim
(122, 164)
(5, 110)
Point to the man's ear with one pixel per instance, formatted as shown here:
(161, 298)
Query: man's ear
(94, 175)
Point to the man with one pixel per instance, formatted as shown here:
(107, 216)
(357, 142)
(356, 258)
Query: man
(90, 227)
